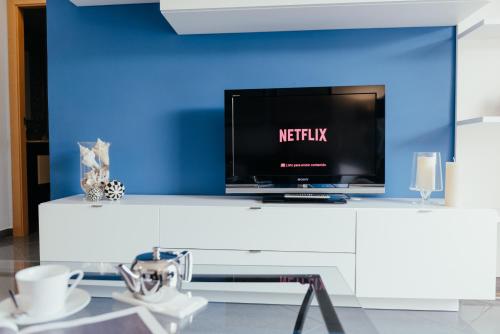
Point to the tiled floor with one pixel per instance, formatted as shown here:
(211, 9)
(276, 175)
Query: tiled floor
(20, 248)
(474, 317)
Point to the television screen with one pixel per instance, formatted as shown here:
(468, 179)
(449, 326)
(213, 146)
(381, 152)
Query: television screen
(330, 137)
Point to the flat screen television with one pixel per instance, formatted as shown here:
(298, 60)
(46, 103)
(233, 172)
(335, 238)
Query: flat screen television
(305, 140)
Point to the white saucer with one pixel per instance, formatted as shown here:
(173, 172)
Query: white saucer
(76, 302)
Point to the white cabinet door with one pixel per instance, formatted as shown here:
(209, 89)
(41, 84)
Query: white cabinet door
(441, 254)
(262, 228)
(86, 233)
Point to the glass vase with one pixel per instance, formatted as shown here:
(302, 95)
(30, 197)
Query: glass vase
(94, 166)
(427, 174)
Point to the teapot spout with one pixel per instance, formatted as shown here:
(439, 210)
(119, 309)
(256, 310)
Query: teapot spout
(132, 280)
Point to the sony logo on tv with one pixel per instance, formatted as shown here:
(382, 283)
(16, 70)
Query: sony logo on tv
(316, 134)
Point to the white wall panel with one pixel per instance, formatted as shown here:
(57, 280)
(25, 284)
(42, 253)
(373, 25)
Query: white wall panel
(490, 11)
(478, 78)
(478, 94)
(5, 164)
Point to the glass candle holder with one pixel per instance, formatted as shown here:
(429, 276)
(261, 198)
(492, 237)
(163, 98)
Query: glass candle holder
(94, 165)
(427, 174)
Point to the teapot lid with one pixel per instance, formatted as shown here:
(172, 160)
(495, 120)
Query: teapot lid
(156, 255)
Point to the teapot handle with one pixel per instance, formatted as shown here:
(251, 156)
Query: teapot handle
(184, 258)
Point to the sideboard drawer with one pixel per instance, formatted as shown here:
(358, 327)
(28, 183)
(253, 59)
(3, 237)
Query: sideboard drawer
(303, 229)
(106, 233)
(336, 270)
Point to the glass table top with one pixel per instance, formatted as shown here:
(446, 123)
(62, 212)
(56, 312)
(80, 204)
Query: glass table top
(242, 299)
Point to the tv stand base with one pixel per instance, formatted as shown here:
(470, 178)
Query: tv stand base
(306, 198)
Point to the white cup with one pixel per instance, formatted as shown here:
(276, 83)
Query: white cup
(43, 289)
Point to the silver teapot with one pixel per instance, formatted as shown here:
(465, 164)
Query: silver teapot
(152, 271)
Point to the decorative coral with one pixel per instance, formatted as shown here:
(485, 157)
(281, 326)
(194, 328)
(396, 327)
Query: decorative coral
(94, 158)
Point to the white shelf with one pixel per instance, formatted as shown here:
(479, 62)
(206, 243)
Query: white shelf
(482, 30)
(480, 120)
(233, 16)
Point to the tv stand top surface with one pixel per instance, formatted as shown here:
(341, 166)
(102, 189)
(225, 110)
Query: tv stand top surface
(248, 201)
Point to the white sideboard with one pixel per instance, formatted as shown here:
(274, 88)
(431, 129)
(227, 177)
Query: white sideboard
(391, 252)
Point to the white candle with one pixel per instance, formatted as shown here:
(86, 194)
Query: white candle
(450, 189)
(426, 173)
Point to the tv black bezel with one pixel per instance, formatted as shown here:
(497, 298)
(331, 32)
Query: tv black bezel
(307, 183)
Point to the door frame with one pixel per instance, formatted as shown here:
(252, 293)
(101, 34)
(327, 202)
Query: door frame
(15, 28)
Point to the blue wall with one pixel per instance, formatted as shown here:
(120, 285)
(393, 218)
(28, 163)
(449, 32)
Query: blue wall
(122, 74)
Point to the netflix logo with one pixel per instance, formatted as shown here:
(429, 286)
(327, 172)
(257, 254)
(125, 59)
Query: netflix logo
(289, 135)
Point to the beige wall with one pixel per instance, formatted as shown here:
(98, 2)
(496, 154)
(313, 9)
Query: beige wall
(5, 167)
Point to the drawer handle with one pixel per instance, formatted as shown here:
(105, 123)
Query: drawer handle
(96, 206)
(255, 208)
(424, 211)
(254, 251)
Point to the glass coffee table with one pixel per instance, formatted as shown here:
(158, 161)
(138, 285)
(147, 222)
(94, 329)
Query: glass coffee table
(242, 299)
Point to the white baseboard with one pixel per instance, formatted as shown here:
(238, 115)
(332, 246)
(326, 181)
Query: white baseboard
(410, 304)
